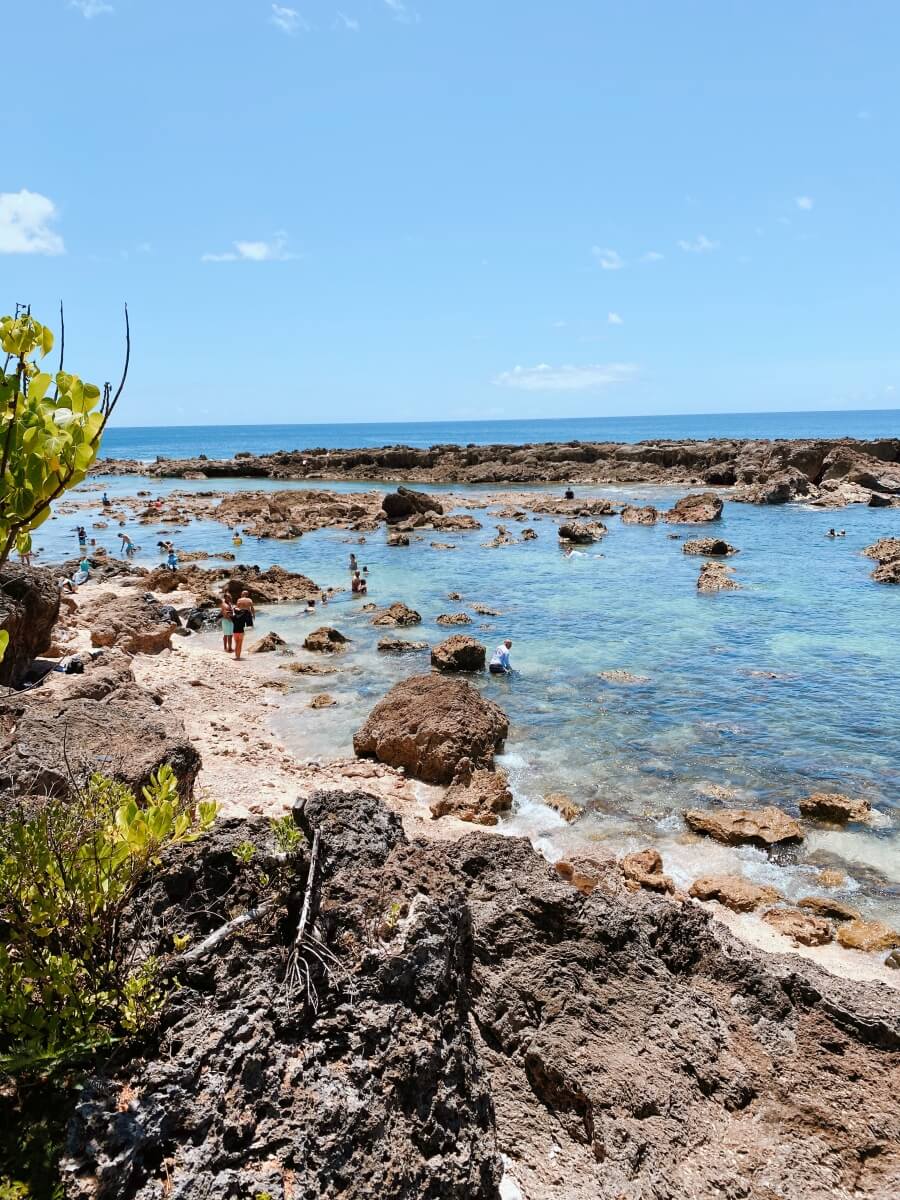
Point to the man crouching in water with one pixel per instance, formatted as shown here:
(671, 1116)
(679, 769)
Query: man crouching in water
(500, 664)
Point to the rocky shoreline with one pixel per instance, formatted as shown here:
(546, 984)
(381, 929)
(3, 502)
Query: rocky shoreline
(831, 472)
(489, 1024)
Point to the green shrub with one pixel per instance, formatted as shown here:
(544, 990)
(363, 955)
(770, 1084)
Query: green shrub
(69, 977)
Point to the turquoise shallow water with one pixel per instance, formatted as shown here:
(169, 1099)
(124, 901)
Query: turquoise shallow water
(635, 755)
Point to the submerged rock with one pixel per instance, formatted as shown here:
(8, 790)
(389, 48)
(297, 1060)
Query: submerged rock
(326, 640)
(745, 826)
(458, 653)
(695, 509)
(617, 676)
(832, 806)
(29, 608)
(398, 646)
(434, 727)
(734, 891)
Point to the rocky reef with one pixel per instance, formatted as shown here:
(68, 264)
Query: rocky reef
(825, 471)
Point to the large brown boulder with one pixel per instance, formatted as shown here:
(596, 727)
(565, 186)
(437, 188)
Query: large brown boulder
(734, 891)
(458, 653)
(695, 509)
(29, 607)
(52, 746)
(644, 868)
(434, 727)
(135, 624)
(406, 503)
(867, 935)
(745, 826)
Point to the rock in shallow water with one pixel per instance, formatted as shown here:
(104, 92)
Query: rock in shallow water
(478, 800)
(868, 935)
(695, 509)
(326, 641)
(832, 806)
(458, 653)
(734, 891)
(745, 826)
(397, 614)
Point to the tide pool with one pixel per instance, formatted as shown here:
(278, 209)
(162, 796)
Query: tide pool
(785, 687)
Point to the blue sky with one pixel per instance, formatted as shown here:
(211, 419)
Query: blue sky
(447, 209)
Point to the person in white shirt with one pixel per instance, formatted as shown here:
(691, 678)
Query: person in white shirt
(500, 664)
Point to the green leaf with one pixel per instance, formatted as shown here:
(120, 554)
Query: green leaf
(4, 642)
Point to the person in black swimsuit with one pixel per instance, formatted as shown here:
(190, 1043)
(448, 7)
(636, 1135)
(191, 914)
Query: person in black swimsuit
(241, 620)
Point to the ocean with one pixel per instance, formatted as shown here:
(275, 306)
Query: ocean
(223, 441)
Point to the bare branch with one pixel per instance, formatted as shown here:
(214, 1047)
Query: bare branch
(224, 931)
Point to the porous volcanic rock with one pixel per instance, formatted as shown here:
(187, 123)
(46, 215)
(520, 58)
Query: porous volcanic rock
(459, 618)
(326, 640)
(53, 745)
(135, 624)
(398, 646)
(696, 509)
(270, 586)
(800, 927)
(715, 577)
(582, 533)
(714, 547)
(268, 643)
(645, 514)
(433, 726)
(587, 871)
(478, 799)
(406, 503)
(29, 608)
(564, 805)
(645, 868)
(497, 1010)
(396, 538)
(780, 488)
(458, 653)
(734, 891)
(832, 806)
(886, 552)
(867, 935)
(323, 700)
(618, 676)
(745, 826)
(397, 614)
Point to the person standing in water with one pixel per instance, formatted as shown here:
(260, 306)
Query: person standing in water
(500, 664)
(353, 563)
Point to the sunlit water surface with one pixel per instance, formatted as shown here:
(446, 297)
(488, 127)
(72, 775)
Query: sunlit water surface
(632, 755)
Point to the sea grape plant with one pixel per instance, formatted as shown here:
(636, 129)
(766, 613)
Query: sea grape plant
(50, 428)
(71, 976)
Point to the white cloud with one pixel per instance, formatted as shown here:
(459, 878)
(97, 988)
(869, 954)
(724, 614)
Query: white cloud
(700, 245)
(613, 318)
(342, 21)
(274, 251)
(25, 219)
(401, 12)
(91, 8)
(288, 20)
(609, 260)
(804, 202)
(544, 378)
(652, 256)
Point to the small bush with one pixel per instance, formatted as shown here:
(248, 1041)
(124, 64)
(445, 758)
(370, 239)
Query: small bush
(69, 979)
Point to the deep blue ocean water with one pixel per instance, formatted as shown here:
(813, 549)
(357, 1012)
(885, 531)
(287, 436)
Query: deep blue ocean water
(223, 441)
